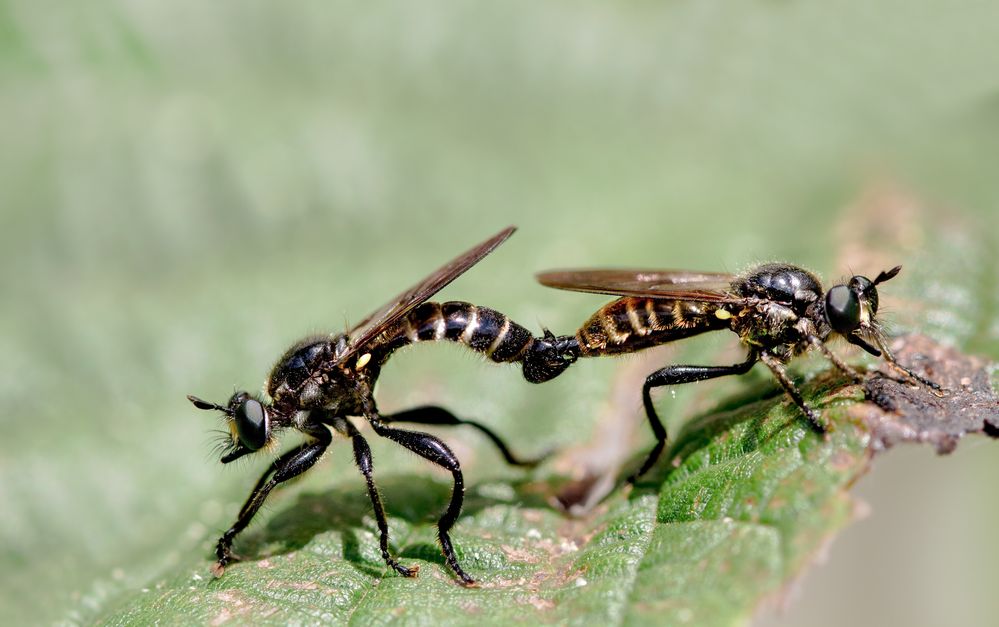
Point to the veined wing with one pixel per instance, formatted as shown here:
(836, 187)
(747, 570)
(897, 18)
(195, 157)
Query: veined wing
(383, 318)
(667, 284)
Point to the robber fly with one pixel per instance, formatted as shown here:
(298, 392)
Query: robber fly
(320, 382)
(778, 311)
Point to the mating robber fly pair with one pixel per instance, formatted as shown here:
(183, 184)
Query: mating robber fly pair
(778, 311)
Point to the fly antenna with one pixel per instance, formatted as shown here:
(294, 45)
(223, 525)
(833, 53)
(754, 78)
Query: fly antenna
(200, 404)
(890, 274)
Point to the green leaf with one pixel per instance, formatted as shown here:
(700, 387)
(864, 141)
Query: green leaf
(186, 191)
(751, 496)
(746, 508)
(755, 493)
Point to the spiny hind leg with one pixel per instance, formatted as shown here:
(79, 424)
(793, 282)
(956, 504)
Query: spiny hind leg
(362, 457)
(432, 449)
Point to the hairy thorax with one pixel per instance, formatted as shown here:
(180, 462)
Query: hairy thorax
(305, 378)
(782, 304)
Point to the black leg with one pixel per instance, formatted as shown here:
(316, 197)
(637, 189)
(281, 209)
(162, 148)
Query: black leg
(780, 372)
(433, 450)
(431, 415)
(362, 456)
(288, 466)
(843, 367)
(676, 375)
(890, 358)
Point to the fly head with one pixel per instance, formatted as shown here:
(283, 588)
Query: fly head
(851, 309)
(249, 422)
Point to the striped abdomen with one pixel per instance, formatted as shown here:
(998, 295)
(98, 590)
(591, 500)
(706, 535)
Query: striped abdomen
(482, 329)
(630, 324)
(485, 331)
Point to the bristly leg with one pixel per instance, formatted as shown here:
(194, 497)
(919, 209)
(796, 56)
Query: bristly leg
(288, 466)
(434, 450)
(893, 362)
(837, 361)
(780, 373)
(885, 353)
(362, 456)
(677, 375)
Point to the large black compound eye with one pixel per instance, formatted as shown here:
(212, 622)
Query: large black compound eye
(252, 424)
(843, 309)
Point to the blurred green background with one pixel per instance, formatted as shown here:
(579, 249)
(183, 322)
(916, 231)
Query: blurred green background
(188, 187)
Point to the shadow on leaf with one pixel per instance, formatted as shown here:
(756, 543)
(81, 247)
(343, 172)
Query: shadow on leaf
(751, 419)
(345, 510)
(747, 416)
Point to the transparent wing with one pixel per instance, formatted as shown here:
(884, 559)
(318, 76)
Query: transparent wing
(382, 319)
(672, 284)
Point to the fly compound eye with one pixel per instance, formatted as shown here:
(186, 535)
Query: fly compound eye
(252, 424)
(843, 309)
